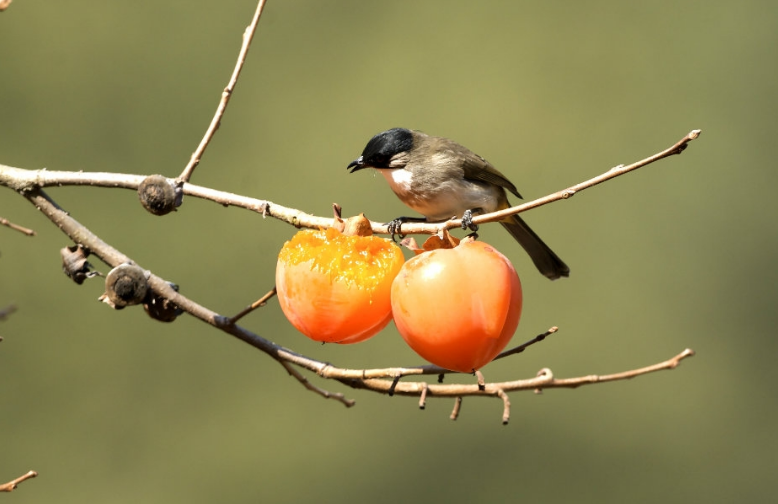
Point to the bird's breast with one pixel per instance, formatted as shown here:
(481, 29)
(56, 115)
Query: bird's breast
(441, 199)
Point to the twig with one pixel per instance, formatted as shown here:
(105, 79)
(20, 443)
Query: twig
(16, 227)
(523, 346)
(506, 410)
(11, 485)
(677, 148)
(423, 396)
(671, 363)
(248, 35)
(253, 306)
(313, 388)
(457, 407)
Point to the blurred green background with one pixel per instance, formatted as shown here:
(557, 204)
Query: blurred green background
(114, 407)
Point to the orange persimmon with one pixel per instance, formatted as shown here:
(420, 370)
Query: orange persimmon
(457, 308)
(336, 288)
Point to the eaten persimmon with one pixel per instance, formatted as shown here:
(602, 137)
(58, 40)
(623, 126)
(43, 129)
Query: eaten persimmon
(457, 308)
(336, 288)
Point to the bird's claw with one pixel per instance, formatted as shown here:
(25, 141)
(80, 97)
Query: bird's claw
(394, 228)
(467, 221)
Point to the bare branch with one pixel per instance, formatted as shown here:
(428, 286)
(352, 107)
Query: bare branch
(523, 346)
(544, 380)
(253, 306)
(457, 407)
(248, 35)
(313, 388)
(506, 410)
(21, 180)
(423, 396)
(16, 227)
(677, 148)
(11, 485)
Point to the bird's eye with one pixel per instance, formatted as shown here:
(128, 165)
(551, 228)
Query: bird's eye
(380, 160)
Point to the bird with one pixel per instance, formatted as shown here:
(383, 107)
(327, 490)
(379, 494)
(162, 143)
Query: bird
(442, 179)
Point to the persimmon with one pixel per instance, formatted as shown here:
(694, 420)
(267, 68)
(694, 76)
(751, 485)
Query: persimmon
(336, 288)
(457, 307)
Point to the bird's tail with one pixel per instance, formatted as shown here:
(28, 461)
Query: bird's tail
(544, 258)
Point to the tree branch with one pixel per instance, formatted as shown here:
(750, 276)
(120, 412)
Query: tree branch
(248, 35)
(23, 180)
(571, 191)
(384, 380)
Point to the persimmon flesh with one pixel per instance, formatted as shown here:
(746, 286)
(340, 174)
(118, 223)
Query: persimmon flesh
(336, 288)
(457, 308)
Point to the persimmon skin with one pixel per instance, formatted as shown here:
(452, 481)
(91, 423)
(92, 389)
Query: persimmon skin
(457, 308)
(335, 288)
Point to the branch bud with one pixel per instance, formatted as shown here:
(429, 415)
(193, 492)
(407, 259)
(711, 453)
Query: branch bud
(125, 285)
(158, 195)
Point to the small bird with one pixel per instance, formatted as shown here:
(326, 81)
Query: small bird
(442, 180)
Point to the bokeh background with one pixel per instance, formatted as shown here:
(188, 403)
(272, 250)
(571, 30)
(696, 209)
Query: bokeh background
(115, 407)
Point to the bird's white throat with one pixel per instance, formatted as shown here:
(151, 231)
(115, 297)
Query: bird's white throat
(399, 179)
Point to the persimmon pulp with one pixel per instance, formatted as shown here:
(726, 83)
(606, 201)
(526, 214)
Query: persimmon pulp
(336, 288)
(457, 308)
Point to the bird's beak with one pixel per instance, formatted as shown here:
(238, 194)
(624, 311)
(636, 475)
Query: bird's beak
(357, 164)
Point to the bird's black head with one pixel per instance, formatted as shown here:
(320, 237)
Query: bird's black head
(382, 147)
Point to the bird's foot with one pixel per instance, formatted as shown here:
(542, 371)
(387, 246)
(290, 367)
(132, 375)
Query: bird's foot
(467, 222)
(395, 226)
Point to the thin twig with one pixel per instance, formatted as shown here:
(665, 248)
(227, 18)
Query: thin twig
(523, 346)
(11, 485)
(506, 410)
(677, 148)
(310, 386)
(248, 35)
(671, 363)
(16, 227)
(253, 306)
(457, 407)
(423, 397)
